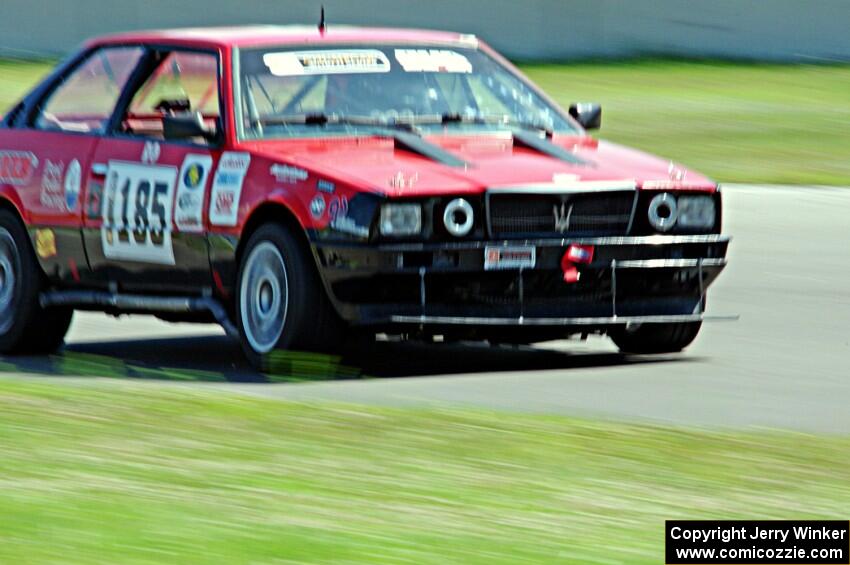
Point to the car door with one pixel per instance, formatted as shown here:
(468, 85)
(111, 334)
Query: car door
(51, 156)
(144, 223)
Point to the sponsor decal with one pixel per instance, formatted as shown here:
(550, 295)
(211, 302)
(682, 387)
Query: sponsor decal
(662, 184)
(325, 186)
(568, 185)
(17, 167)
(192, 175)
(137, 204)
(432, 61)
(51, 185)
(94, 200)
(341, 222)
(227, 188)
(565, 178)
(400, 180)
(45, 243)
(287, 174)
(509, 257)
(151, 152)
(675, 172)
(56, 193)
(73, 178)
(317, 206)
(188, 214)
(326, 62)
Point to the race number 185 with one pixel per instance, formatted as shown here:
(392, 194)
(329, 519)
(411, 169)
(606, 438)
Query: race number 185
(137, 210)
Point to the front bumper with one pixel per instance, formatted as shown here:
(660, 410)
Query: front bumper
(655, 279)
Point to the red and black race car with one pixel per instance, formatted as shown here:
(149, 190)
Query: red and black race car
(294, 183)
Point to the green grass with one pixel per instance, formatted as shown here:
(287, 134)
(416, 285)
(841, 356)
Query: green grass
(737, 122)
(138, 472)
(124, 472)
(18, 77)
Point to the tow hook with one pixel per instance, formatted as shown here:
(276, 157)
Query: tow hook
(575, 255)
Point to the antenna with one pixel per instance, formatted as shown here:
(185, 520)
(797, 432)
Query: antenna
(322, 21)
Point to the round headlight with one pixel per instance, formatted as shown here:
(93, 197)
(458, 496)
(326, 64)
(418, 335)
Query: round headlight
(458, 217)
(663, 212)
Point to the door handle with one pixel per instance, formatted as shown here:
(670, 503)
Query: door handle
(99, 169)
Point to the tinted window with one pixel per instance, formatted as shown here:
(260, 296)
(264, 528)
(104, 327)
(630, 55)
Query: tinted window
(84, 101)
(384, 83)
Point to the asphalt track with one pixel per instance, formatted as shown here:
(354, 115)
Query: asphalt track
(784, 364)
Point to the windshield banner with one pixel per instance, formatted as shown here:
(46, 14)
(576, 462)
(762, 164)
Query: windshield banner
(299, 63)
(432, 61)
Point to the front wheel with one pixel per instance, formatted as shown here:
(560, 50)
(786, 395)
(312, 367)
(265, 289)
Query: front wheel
(281, 303)
(655, 338)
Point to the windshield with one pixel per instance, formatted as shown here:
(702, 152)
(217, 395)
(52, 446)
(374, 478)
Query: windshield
(296, 92)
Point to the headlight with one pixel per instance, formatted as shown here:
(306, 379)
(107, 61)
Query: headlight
(401, 219)
(663, 212)
(696, 212)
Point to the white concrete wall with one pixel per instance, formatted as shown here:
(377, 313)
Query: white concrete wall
(523, 29)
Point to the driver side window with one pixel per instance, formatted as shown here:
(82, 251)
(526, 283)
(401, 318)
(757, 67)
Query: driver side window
(183, 83)
(84, 100)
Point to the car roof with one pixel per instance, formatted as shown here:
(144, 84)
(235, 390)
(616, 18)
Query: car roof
(261, 35)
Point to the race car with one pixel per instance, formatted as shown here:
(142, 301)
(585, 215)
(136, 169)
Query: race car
(297, 184)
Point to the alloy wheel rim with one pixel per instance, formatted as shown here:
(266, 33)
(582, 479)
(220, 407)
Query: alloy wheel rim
(9, 269)
(264, 297)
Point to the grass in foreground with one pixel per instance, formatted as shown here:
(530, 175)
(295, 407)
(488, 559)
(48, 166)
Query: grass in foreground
(121, 472)
(737, 122)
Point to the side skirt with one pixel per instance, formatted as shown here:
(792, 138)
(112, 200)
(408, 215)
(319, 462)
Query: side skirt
(136, 303)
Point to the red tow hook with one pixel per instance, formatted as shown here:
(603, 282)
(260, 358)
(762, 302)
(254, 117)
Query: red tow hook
(575, 255)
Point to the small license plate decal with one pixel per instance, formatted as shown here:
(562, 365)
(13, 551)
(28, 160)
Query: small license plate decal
(509, 257)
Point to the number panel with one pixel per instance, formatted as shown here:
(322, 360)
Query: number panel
(137, 211)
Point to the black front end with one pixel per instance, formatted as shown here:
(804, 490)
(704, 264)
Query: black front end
(541, 263)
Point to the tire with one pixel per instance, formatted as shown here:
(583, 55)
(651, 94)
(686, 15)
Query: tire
(656, 338)
(25, 327)
(280, 300)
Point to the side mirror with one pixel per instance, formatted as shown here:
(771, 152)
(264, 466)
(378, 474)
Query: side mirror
(588, 115)
(186, 126)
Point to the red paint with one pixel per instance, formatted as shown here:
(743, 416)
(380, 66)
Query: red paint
(219, 284)
(72, 266)
(253, 36)
(354, 164)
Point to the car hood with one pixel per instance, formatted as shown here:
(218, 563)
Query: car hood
(379, 164)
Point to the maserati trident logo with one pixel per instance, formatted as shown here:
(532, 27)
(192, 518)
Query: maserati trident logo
(562, 216)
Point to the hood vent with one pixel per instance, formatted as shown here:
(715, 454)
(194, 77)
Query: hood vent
(415, 144)
(530, 140)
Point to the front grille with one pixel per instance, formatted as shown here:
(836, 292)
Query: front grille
(547, 215)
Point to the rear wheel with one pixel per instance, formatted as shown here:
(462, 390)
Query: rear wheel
(25, 327)
(656, 338)
(281, 303)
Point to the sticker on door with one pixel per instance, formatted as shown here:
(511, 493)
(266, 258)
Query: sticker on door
(227, 188)
(137, 213)
(191, 188)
